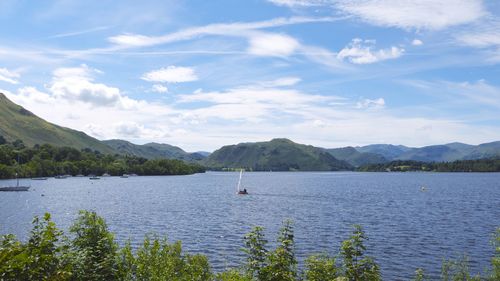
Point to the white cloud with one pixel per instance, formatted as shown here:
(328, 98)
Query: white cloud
(171, 74)
(319, 123)
(157, 88)
(77, 84)
(272, 44)
(481, 39)
(482, 35)
(9, 76)
(238, 29)
(35, 95)
(207, 120)
(134, 130)
(369, 103)
(417, 42)
(361, 52)
(282, 82)
(422, 14)
(480, 92)
(299, 3)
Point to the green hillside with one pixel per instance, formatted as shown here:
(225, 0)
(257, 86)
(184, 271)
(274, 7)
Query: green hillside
(153, 150)
(19, 123)
(275, 155)
(356, 158)
(434, 153)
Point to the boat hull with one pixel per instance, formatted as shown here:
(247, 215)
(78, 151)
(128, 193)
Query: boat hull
(15, 188)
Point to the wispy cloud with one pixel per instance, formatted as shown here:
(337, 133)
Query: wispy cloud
(9, 76)
(483, 35)
(238, 29)
(465, 92)
(300, 3)
(80, 32)
(361, 52)
(423, 14)
(371, 103)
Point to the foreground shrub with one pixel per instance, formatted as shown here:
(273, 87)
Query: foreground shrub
(92, 254)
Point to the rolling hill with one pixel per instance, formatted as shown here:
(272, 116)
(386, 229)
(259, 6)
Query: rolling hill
(19, 123)
(153, 150)
(434, 153)
(356, 158)
(275, 155)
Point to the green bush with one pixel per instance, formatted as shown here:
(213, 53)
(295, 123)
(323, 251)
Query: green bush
(92, 254)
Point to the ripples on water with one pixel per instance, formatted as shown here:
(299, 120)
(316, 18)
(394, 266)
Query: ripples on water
(407, 228)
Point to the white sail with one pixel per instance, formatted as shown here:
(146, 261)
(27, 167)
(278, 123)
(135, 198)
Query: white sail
(239, 181)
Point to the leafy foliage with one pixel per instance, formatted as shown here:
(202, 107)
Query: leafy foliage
(356, 266)
(94, 249)
(92, 254)
(321, 267)
(46, 160)
(481, 165)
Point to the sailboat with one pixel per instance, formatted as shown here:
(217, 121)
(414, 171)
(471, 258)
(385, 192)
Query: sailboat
(17, 187)
(239, 190)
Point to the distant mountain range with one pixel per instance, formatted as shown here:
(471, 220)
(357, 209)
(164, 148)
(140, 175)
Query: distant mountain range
(277, 154)
(434, 153)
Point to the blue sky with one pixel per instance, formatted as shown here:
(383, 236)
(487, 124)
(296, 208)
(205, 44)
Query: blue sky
(202, 74)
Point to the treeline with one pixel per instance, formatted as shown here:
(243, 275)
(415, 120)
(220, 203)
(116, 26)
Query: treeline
(91, 253)
(480, 165)
(48, 161)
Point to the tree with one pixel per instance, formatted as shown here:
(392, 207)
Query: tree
(320, 268)
(255, 248)
(356, 266)
(495, 261)
(94, 247)
(281, 263)
(2, 140)
(43, 257)
(19, 144)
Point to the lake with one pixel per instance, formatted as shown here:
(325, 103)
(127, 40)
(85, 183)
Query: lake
(407, 228)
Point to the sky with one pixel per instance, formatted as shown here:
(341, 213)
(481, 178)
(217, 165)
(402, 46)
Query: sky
(202, 74)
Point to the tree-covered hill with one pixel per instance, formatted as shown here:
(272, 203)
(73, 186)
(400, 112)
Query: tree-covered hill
(47, 161)
(275, 155)
(153, 150)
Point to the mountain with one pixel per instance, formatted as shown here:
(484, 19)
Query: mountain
(356, 158)
(388, 151)
(485, 150)
(275, 155)
(435, 153)
(19, 123)
(153, 150)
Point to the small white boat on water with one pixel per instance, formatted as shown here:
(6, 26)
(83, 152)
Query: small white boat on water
(239, 189)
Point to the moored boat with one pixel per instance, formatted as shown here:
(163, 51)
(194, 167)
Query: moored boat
(17, 187)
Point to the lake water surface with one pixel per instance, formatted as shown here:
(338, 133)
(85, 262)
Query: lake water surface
(407, 228)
